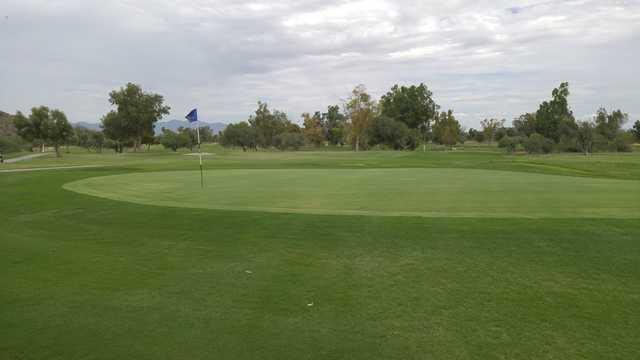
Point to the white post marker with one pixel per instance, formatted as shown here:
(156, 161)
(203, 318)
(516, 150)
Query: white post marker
(192, 116)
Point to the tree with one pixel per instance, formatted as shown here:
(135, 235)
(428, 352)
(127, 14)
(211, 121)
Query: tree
(360, 110)
(490, 127)
(446, 129)
(289, 140)
(586, 136)
(525, 124)
(189, 137)
(335, 123)
(554, 119)
(508, 143)
(537, 144)
(58, 129)
(173, 140)
(636, 130)
(138, 111)
(313, 128)
(395, 134)
(114, 128)
(44, 125)
(33, 129)
(609, 125)
(412, 105)
(476, 135)
(241, 134)
(267, 125)
(83, 137)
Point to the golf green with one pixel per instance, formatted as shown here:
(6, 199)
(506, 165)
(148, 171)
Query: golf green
(435, 192)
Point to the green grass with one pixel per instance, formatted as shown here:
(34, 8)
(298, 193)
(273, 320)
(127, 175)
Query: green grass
(89, 277)
(431, 192)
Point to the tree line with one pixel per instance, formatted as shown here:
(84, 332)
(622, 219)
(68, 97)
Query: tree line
(407, 117)
(404, 118)
(554, 128)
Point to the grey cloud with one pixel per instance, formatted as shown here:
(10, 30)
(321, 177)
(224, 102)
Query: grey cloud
(483, 58)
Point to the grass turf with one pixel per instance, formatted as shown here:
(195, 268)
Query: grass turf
(87, 277)
(434, 192)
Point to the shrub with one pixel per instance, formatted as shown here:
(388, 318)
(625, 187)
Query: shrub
(289, 141)
(538, 144)
(10, 144)
(509, 143)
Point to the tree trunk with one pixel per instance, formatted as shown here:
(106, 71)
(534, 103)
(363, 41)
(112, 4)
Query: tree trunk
(57, 147)
(42, 147)
(357, 143)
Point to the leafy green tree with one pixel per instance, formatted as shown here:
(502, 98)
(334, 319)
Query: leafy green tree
(241, 134)
(44, 125)
(636, 130)
(537, 144)
(490, 128)
(609, 125)
(33, 128)
(446, 129)
(554, 119)
(289, 140)
(114, 127)
(268, 124)
(97, 140)
(586, 136)
(412, 105)
(509, 143)
(392, 133)
(138, 111)
(335, 125)
(475, 135)
(58, 129)
(360, 110)
(83, 137)
(525, 124)
(313, 128)
(173, 140)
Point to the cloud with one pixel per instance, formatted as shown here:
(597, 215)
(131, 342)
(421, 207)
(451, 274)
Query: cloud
(483, 58)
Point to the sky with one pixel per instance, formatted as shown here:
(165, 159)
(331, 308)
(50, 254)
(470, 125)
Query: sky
(481, 58)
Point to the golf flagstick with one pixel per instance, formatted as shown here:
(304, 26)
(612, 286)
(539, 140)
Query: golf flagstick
(192, 116)
(200, 156)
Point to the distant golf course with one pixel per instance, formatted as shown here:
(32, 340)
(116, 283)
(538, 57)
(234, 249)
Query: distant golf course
(471, 253)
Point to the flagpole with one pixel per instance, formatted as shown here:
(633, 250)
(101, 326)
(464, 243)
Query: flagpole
(200, 156)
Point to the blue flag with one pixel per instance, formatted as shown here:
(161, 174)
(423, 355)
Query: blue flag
(192, 116)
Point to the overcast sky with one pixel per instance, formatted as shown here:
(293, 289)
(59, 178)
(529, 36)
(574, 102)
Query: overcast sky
(482, 58)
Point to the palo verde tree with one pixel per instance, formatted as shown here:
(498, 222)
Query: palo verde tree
(360, 110)
(137, 112)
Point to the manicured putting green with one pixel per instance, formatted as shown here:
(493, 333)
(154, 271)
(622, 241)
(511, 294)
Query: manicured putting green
(381, 192)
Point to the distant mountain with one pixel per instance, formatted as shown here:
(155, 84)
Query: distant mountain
(171, 124)
(175, 124)
(86, 125)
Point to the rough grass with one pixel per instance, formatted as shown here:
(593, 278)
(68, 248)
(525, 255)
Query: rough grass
(87, 277)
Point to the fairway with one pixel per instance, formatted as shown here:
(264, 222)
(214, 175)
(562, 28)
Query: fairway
(334, 255)
(434, 192)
